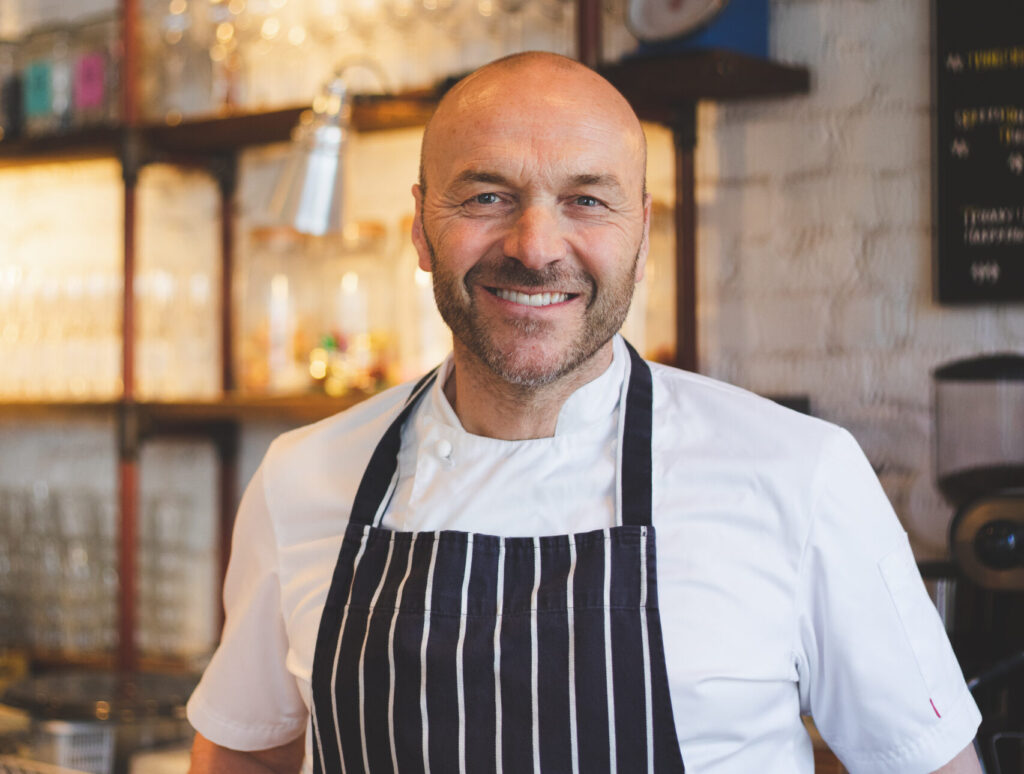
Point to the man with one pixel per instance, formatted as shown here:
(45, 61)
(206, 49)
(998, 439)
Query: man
(552, 556)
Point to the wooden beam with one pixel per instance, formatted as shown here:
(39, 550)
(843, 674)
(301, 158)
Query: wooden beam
(684, 135)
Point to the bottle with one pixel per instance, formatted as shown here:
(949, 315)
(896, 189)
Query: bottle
(95, 73)
(10, 91)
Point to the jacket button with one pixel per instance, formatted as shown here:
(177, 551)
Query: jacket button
(444, 449)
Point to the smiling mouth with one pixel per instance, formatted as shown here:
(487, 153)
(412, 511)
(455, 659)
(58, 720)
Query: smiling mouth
(531, 299)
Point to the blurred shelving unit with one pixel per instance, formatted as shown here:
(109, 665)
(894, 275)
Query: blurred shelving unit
(665, 89)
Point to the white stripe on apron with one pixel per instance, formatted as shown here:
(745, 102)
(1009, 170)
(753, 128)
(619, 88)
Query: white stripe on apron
(570, 603)
(460, 681)
(362, 653)
(423, 657)
(316, 732)
(534, 655)
(391, 652)
(609, 681)
(337, 651)
(497, 654)
(648, 705)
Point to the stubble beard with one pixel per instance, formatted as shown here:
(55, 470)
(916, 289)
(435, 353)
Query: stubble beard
(517, 365)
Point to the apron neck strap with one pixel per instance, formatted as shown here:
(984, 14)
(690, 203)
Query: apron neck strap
(634, 469)
(382, 465)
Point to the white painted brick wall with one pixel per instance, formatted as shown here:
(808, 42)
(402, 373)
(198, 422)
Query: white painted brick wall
(816, 248)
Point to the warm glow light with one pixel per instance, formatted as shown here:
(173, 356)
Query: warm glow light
(225, 31)
(178, 7)
(279, 287)
(271, 26)
(349, 282)
(236, 7)
(297, 35)
(422, 278)
(318, 363)
(218, 53)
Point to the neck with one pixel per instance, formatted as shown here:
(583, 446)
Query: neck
(489, 406)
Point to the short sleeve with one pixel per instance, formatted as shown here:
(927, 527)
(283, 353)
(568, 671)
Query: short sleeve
(247, 699)
(876, 669)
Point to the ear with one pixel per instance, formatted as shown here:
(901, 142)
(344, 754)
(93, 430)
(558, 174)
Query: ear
(645, 240)
(419, 239)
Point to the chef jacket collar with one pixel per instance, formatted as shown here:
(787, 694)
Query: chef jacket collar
(591, 403)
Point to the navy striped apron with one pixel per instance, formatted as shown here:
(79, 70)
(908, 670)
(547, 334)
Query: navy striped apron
(454, 652)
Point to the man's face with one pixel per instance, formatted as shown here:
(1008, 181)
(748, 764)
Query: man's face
(534, 224)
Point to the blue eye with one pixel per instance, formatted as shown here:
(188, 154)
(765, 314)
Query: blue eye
(485, 198)
(587, 201)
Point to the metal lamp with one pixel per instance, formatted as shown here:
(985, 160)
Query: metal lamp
(310, 194)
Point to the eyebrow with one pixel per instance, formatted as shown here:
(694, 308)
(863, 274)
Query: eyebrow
(603, 180)
(474, 176)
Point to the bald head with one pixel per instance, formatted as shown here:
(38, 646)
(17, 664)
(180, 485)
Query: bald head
(522, 87)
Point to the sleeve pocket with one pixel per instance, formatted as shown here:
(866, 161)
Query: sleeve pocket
(922, 627)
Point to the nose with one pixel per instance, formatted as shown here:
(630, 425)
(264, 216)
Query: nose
(536, 238)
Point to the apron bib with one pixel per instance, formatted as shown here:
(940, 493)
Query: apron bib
(455, 652)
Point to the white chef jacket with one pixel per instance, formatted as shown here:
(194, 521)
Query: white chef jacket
(786, 584)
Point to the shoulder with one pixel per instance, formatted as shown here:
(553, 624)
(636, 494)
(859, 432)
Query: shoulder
(722, 453)
(329, 456)
(715, 413)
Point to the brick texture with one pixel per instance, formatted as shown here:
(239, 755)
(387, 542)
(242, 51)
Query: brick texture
(815, 243)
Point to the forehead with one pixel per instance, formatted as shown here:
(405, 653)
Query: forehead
(534, 131)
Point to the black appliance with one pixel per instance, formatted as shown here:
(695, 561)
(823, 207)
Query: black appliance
(979, 466)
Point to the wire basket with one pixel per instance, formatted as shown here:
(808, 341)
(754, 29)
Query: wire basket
(80, 745)
(9, 764)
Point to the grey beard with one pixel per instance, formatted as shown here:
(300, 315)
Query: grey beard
(605, 312)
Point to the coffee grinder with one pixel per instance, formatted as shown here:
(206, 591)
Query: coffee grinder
(979, 466)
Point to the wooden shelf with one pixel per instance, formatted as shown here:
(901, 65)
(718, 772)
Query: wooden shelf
(49, 661)
(237, 408)
(654, 85)
(299, 409)
(215, 134)
(43, 409)
(230, 132)
(91, 142)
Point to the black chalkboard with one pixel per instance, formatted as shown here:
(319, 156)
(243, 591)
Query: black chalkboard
(979, 63)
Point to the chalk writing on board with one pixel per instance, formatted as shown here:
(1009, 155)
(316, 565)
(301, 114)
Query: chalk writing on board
(979, 69)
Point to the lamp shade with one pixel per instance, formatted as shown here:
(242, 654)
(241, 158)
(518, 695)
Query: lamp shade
(310, 193)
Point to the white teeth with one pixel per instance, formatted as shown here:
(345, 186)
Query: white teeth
(536, 299)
